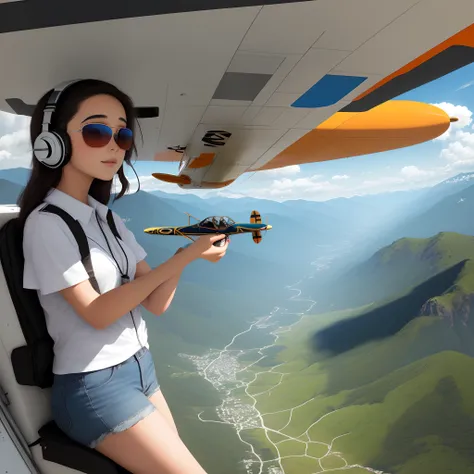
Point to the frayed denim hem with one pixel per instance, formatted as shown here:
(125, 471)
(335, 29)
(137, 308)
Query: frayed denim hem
(125, 425)
(157, 389)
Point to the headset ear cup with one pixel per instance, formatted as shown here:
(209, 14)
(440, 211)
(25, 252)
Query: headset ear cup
(67, 148)
(49, 149)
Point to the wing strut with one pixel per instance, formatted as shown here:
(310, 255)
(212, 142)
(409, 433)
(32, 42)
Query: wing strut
(189, 218)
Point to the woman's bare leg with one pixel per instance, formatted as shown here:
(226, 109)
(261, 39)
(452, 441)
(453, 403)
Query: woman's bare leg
(161, 405)
(150, 447)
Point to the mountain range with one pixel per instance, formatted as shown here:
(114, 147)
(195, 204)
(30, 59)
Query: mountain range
(380, 369)
(301, 231)
(378, 218)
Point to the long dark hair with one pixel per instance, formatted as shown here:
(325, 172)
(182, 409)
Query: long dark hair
(42, 178)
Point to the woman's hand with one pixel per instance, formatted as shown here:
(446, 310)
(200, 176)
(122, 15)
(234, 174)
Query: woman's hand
(204, 247)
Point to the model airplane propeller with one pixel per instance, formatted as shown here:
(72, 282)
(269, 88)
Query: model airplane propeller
(216, 225)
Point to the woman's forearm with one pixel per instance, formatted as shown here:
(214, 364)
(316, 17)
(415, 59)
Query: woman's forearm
(160, 298)
(108, 307)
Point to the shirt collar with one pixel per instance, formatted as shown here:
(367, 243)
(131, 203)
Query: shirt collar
(77, 209)
(101, 209)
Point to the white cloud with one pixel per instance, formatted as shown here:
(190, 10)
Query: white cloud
(340, 177)
(415, 173)
(308, 188)
(11, 122)
(465, 86)
(461, 112)
(459, 153)
(15, 148)
(4, 154)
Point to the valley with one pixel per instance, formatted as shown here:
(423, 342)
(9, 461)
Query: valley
(381, 388)
(245, 373)
(233, 372)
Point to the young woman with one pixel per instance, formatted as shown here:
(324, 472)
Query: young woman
(105, 393)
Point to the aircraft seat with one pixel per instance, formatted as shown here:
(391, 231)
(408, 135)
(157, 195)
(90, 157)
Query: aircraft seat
(51, 450)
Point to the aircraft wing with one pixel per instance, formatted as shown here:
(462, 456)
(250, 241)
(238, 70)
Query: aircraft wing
(249, 85)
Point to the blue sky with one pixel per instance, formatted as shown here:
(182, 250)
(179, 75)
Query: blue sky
(418, 166)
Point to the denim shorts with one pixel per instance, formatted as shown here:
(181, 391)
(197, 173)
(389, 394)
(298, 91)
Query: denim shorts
(87, 406)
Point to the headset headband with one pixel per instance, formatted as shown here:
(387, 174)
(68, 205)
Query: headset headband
(53, 99)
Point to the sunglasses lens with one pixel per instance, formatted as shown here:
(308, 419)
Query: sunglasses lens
(96, 134)
(125, 138)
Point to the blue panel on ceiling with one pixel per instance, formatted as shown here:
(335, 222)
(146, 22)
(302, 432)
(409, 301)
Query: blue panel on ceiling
(328, 91)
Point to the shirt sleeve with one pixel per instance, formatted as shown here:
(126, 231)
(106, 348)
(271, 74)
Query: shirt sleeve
(129, 238)
(52, 257)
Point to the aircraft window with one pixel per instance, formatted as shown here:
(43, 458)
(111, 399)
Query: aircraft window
(209, 223)
(217, 222)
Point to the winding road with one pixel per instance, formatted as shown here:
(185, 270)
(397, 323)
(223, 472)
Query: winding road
(222, 369)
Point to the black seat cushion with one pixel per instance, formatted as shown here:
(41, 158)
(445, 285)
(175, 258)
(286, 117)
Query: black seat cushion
(60, 449)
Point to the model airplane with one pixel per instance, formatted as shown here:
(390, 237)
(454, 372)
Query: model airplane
(236, 95)
(216, 225)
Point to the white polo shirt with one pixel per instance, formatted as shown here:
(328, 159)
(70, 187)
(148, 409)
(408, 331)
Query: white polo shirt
(53, 262)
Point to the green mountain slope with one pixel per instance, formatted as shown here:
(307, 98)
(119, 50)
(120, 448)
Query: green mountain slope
(445, 207)
(415, 420)
(386, 318)
(395, 268)
(402, 404)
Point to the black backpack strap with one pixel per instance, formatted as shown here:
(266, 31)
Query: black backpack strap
(81, 239)
(32, 363)
(111, 222)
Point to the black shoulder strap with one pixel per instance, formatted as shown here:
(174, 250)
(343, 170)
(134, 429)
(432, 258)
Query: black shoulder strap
(81, 239)
(111, 222)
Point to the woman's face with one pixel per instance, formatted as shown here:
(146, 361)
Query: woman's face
(102, 162)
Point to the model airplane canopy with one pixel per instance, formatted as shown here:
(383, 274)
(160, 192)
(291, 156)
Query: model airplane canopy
(249, 85)
(216, 222)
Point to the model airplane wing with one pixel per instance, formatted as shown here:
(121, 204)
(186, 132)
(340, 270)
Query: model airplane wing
(250, 85)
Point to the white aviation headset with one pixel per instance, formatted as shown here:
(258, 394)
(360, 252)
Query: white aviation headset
(50, 148)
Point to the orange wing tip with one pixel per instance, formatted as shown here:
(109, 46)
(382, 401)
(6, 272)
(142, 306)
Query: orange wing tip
(392, 125)
(171, 178)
